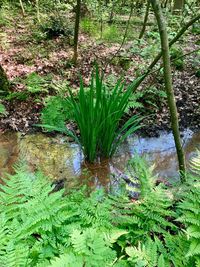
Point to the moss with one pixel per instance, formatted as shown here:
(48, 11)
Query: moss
(4, 83)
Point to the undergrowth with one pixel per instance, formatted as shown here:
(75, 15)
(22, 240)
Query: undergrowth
(41, 227)
(2, 109)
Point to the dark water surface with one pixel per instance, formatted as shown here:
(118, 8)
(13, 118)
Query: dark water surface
(61, 160)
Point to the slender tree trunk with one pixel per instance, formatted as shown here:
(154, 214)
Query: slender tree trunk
(169, 86)
(145, 20)
(22, 7)
(110, 20)
(4, 83)
(38, 10)
(76, 31)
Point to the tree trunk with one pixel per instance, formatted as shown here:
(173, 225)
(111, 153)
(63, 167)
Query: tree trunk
(178, 5)
(22, 7)
(76, 31)
(145, 20)
(169, 87)
(4, 83)
(38, 10)
(110, 20)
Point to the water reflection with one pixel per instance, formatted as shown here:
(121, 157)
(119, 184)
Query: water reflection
(60, 160)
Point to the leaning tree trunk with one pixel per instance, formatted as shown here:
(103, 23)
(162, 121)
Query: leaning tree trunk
(4, 83)
(169, 86)
(145, 20)
(76, 31)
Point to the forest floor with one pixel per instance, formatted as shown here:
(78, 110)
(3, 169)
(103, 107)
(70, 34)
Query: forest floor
(21, 55)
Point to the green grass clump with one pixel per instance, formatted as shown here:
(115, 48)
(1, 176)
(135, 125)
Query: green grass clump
(98, 114)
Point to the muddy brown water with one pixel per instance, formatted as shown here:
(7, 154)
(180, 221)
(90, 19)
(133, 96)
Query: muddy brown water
(61, 160)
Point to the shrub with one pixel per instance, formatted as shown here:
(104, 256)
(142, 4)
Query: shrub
(57, 25)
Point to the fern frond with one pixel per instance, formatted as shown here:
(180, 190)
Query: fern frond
(195, 163)
(190, 209)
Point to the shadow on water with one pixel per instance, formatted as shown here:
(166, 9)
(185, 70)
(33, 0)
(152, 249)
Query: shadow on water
(62, 161)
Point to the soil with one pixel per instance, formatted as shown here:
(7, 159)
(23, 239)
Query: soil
(19, 57)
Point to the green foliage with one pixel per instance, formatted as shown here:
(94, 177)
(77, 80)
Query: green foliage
(17, 95)
(56, 112)
(2, 109)
(111, 34)
(5, 13)
(190, 208)
(195, 28)
(57, 25)
(136, 167)
(98, 113)
(36, 84)
(196, 64)
(195, 163)
(89, 26)
(38, 225)
(41, 227)
(148, 100)
(177, 57)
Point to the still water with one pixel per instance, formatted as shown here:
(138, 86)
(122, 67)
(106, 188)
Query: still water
(61, 160)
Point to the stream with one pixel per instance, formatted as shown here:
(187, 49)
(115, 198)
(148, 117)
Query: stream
(64, 161)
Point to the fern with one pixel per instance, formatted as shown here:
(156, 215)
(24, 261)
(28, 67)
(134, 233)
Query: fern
(56, 112)
(190, 208)
(195, 163)
(40, 227)
(146, 255)
(36, 84)
(147, 100)
(152, 214)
